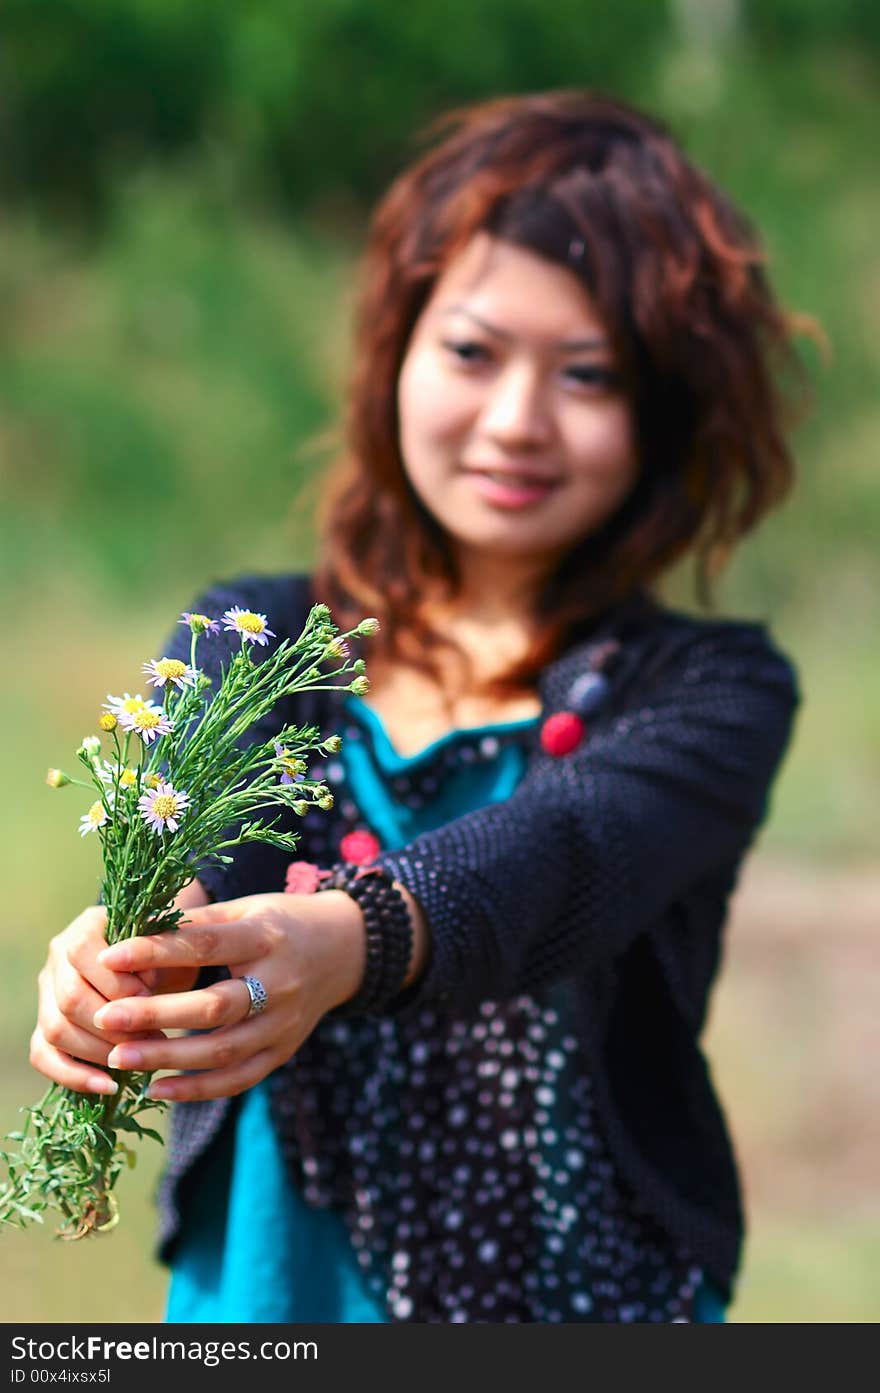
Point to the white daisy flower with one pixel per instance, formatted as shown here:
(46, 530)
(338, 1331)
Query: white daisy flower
(162, 670)
(126, 704)
(93, 819)
(112, 775)
(252, 627)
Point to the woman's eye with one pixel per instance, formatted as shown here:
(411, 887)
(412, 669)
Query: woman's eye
(466, 351)
(592, 375)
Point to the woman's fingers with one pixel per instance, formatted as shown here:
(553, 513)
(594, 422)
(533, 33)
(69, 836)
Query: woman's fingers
(216, 1083)
(62, 1068)
(67, 1008)
(193, 945)
(62, 1035)
(71, 1039)
(169, 979)
(224, 1003)
(86, 958)
(80, 945)
(216, 1049)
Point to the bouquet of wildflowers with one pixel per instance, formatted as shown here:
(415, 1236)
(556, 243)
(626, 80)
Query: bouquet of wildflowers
(181, 787)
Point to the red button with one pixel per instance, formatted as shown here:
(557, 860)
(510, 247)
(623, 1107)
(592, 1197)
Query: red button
(562, 732)
(361, 847)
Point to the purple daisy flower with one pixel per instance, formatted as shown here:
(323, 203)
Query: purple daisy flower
(163, 807)
(199, 623)
(252, 627)
(292, 774)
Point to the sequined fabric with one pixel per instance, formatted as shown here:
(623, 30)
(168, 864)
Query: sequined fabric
(575, 935)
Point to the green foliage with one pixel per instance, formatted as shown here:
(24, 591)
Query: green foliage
(784, 23)
(300, 98)
(156, 399)
(90, 85)
(317, 102)
(69, 1158)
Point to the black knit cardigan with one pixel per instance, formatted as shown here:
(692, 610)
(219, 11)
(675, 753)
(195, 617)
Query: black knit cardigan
(609, 867)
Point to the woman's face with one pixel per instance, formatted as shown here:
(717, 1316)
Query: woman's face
(515, 432)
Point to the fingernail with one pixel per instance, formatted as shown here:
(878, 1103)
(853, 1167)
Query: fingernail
(111, 1018)
(125, 1057)
(117, 958)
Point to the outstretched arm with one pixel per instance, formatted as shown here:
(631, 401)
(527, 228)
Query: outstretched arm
(594, 846)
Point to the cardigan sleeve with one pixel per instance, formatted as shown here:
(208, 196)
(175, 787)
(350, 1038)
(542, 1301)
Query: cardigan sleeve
(255, 866)
(593, 847)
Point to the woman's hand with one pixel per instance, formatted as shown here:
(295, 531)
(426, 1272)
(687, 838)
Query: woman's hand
(307, 950)
(73, 985)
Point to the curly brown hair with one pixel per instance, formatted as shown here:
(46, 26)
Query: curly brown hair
(677, 275)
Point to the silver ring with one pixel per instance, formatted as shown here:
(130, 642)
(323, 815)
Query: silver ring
(258, 995)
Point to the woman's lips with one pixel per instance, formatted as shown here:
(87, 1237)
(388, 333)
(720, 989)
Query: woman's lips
(510, 490)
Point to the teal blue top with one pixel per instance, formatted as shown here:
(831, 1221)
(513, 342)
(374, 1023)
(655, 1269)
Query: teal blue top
(224, 1269)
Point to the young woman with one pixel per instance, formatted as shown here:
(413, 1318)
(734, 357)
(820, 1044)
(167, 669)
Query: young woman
(464, 1081)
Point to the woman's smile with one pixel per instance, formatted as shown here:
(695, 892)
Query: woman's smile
(509, 489)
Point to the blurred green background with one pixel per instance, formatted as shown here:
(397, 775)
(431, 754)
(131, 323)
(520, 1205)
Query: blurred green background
(183, 192)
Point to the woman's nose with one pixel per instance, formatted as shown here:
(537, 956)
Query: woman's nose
(516, 414)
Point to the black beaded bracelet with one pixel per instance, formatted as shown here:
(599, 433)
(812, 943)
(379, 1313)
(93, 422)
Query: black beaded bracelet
(389, 934)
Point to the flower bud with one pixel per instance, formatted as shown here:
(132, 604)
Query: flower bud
(333, 744)
(320, 612)
(360, 686)
(337, 648)
(107, 721)
(300, 809)
(326, 802)
(56, 778)
(368, 627)
(359, 665)
(90, 748)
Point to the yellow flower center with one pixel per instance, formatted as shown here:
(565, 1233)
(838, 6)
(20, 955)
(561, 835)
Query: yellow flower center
(153, 781)
(250, 622)
(164, 805)
(145, 719)
(132, 705)
(127, 778)
(170, 668)
(107, 721)
(96, 814)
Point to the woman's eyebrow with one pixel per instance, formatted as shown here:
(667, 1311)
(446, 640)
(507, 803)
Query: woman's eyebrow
(568, 345)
